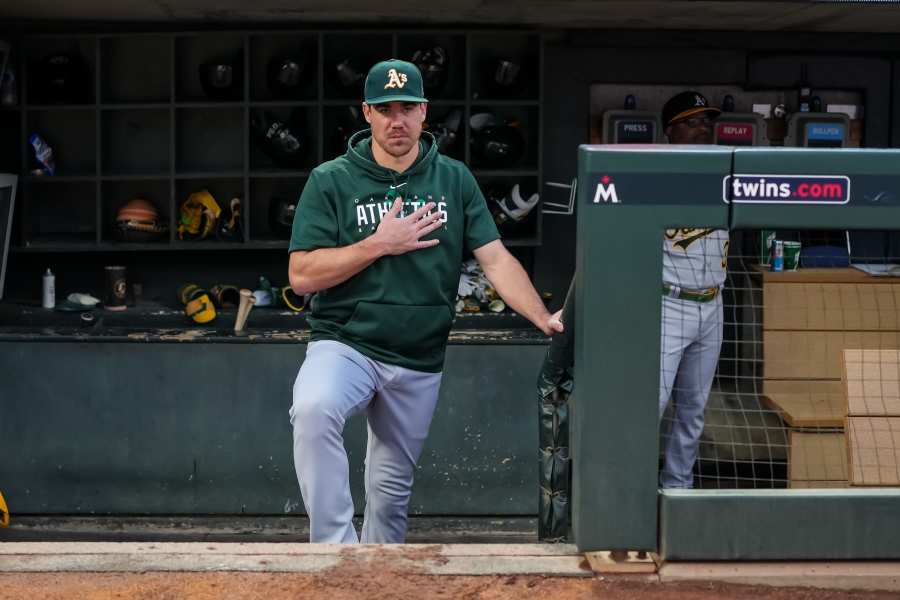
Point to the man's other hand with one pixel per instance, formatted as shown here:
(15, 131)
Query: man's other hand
(554, 323)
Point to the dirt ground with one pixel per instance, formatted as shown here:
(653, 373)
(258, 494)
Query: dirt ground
(351, 585)
(381, 576)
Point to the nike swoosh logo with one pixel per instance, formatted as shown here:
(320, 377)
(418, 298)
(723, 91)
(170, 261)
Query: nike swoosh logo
(686, 242)
(394, 187)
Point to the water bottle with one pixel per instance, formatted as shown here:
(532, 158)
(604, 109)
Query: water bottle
(48, 298)
(43, 153)
(778, 255)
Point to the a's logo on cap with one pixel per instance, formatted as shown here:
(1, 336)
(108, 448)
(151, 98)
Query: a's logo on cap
(699, 100)
(395, 80)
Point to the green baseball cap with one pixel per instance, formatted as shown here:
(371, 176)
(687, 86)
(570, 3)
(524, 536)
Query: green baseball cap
(394, 81)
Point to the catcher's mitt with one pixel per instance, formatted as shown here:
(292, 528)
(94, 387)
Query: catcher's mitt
(197, 216)
(4, 513)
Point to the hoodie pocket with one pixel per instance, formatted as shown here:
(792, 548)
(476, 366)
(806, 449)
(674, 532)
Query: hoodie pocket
(403, 329)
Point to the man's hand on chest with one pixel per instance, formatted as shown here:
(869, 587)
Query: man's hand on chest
(396, 234)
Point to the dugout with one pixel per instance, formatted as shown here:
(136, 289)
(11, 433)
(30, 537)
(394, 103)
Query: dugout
(145, 408)
(615, 412)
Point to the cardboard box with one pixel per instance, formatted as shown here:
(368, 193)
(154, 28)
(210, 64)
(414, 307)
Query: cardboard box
(831, 306)
(871, 382)
(817, 456)
(817, 354)
(873, 444)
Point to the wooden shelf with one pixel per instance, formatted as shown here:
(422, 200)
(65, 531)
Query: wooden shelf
(806, 403)
(834, 275)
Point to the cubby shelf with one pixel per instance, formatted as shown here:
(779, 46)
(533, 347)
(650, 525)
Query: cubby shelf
(287, 103)
(497, 103)
(163, 128)
(93, 246)
(138, 177)
(505, 173)
(58, 178)
(135, 106)
(277, 173)
(61, 107)
(209, 175)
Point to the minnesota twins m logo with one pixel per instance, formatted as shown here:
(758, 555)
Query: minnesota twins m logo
(606, 191)
(395, 80)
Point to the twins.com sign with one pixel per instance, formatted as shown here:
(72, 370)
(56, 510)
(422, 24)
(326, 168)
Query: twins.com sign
(786, 189)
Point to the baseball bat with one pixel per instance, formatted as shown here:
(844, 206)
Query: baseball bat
(246, 303)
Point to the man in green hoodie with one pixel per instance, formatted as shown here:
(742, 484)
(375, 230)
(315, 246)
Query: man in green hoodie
(379, 235)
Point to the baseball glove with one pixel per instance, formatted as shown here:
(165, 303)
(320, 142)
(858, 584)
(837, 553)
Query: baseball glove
(198, 216)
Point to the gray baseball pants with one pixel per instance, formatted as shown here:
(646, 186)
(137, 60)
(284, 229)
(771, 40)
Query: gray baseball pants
(689, 355)
(336, 382)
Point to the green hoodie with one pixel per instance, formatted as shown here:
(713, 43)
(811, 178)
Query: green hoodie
(399, 310)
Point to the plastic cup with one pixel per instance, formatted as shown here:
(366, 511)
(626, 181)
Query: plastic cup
(791, 256)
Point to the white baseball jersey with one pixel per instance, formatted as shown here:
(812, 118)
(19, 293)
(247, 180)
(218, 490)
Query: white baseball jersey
(695, 258)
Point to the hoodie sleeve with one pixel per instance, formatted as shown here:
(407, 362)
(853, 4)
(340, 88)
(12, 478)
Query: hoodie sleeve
(315, 220)
(479, 224)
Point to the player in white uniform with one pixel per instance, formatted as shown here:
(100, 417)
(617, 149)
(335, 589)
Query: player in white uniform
(694, 262)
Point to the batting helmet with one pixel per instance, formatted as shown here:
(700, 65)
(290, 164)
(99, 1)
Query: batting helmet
(433, 63)
(498, 146)
(223, 80)
(284, 75)
(138, 221)
(279, 139)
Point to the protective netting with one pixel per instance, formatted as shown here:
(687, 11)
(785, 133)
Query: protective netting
(805, 379)
(785, 378)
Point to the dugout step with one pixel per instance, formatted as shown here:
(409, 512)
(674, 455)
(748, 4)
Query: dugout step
(623, 561)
